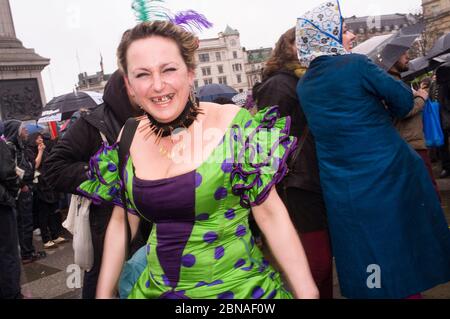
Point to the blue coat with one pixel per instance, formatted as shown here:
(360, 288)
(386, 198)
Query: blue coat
(382, 208)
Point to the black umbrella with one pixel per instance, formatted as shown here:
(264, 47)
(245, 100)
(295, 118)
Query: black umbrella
(420, 66)
(441, 46)
(62, 107)
(386, 50)
(210, 92)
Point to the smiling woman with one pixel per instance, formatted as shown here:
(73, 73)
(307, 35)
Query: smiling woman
(201, 245)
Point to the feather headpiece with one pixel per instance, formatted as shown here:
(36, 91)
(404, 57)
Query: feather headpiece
(154, 10)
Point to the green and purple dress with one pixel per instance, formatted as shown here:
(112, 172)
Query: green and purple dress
(201, 245)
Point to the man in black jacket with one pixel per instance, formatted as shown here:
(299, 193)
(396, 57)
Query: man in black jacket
(9, 242)
(16, 135)
(67, 165)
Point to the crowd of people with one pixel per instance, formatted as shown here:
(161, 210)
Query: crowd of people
(331, 162)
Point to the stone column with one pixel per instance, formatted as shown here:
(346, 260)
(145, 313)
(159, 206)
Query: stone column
(21, 91)
(6, 21)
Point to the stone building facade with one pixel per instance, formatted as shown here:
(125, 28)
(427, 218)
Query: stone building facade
(436, 15)
(222, 60)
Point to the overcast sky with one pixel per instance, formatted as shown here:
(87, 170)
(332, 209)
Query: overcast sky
(61, 29)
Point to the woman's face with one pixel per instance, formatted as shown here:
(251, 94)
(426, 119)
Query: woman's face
(158, 79)
(39, 140)
(347, 38)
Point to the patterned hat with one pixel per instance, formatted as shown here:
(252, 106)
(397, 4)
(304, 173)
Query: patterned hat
(319, 32)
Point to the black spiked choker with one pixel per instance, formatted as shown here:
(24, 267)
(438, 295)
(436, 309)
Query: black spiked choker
(184, 120)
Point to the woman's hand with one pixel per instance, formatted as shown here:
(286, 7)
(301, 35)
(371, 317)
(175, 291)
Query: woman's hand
(309, 291)
(41, 147)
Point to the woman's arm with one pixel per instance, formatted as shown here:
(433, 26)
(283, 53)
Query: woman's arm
(114, 252)
(38, 160)
(274, 221)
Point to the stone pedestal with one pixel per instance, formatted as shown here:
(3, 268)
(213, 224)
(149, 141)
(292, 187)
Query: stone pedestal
(21, 91)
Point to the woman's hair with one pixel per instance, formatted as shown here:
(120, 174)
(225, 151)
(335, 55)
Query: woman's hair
(186, 41)
(282, 54)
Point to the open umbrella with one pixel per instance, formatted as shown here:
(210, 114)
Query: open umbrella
(386, 50)
(422, 65)
(62, 107)
(34, 128)
(440, 47)
(210, 92)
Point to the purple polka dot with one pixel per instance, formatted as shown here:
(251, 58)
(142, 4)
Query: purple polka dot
(165, 280)
(148, 249)
(230, 214)
(286, 143)
(241, 231)
(188, 261)
(202, 217)
(112, 167)
(227, 166)
(112, 191)
(257, 293)
(215, 283)
(248, 268)
(272, 275)
(210, 237)
(272, 295)
(259, 182)
(247, 125)
(226, 295)
(198, 180)
(221, 193)
(147, 284)
(239, 263)
(201, 284)
(220, 251)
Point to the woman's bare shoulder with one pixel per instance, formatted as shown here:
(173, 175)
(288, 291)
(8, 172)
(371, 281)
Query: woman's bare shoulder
(221, 115)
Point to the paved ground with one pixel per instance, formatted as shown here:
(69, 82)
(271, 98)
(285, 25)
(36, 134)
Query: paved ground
(50, 278)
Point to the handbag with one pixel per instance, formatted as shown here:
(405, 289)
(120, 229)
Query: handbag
(77, 223)
(434, 137)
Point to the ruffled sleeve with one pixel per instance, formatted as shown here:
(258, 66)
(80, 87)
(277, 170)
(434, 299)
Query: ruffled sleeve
(105, 184)
(261, 147)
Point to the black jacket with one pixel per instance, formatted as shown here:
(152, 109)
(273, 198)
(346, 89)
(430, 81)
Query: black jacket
(17, 149)
(9, 182)
(67, 164)
(281, 89)
(43, 189)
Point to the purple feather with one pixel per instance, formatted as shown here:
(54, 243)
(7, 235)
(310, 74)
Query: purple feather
(191, 18)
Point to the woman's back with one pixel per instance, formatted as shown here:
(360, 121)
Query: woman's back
(342, 97)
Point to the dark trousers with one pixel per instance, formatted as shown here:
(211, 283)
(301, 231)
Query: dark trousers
(308, 214)
(99, 223)
(50, 221)
(444, 152)
(9, 255)
(25, 223)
